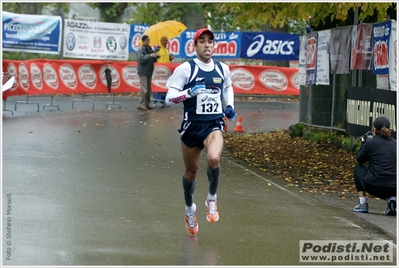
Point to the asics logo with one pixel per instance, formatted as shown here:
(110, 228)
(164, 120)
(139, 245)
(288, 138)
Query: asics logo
(207, 98)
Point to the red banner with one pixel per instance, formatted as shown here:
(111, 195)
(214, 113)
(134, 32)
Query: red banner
(36, 77)
(361, 48)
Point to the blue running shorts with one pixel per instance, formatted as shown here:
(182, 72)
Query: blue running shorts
(193, 133)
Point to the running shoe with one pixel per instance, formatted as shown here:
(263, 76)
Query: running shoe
(391, 210)
(212, 213)
(363, 208)
(191, 223)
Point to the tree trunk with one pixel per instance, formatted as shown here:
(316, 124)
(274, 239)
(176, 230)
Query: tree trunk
(194, 19)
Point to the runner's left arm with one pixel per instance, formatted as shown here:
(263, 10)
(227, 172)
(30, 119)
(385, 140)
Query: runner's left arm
(228, 91)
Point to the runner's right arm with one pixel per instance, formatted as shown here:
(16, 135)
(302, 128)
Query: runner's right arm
(176, 82)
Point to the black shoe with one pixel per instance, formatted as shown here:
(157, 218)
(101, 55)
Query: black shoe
(391, 210)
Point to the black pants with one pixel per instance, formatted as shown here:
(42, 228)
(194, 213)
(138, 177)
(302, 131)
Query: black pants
(362, 185)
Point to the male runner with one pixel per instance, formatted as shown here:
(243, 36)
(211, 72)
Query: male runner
(204, 87)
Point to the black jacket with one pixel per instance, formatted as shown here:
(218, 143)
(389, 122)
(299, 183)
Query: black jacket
(144, 61)
(380, 153)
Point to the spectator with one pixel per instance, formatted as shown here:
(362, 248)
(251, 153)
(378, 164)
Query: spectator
(146, 57)
(164, 55)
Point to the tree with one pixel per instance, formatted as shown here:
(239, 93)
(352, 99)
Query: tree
(254, 15)
(110, 12)
(191, 14)
(33, 8)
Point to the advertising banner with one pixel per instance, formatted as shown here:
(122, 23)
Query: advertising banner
(323, 58)
(361, 50)
(31, 33)
(302, 61)
(136, 31)
(270, 80)
(364, 105)
(381, 36)
(311, 58)
(340, 50)
(96, 40)
(227, 44)
(35, 77)
(270, 46)
(393, 58)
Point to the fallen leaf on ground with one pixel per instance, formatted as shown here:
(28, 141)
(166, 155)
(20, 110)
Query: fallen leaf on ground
(315, 167)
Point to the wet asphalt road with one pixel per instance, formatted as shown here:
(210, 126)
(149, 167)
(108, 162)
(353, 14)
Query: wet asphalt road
(103, 187)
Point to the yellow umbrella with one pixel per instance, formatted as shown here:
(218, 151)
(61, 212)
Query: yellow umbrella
(169, 28)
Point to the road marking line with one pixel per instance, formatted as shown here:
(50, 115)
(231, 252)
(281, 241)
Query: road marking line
(275, 184)
(347, 222)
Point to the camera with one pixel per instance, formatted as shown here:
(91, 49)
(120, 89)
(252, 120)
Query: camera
(366, 136)
(157, 48)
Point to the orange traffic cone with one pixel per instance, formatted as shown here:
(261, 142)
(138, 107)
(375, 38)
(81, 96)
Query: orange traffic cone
(225, 124)
(238, 127)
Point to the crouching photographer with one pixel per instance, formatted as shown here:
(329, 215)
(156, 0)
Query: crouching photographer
(378, 178)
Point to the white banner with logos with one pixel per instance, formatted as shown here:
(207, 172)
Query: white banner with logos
(323, 58)
(393, 57)
(96, 40)
(302, 61)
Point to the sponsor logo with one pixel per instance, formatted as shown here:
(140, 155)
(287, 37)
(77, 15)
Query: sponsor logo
(226, 48)
(380, 55)
(242, 79)
(295, 80)
(208, 98)
(111, 44)
(274, 80)
(83, 42)
(161, 75)
(36, 76)
(50, 76)
(68, 76)
(12, 71)
(270, 47)
(174, 46)
(70, 41)
(114, 74)
(87, 76)
(217, 80)
(189, 48)
(82, 39)
(311, 50)
(136, 41)
(199, 79)
(123, 42)
(23, 76)
(80, 25)
(97, 41)
(130, 76)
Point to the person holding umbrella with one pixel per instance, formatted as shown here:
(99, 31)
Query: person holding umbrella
(205, 88)
(146, 57)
